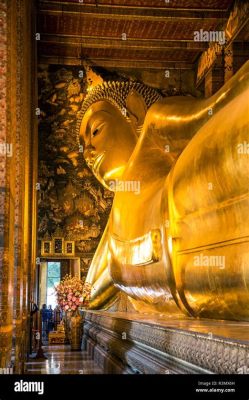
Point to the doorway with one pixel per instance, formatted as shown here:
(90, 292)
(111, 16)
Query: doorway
(52, 271)
(53, 279)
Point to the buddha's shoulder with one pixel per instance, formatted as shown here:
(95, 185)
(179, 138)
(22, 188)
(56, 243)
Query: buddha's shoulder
(170, 105)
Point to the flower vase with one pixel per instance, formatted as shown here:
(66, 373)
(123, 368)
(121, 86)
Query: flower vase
(67, 326)
(76, 330)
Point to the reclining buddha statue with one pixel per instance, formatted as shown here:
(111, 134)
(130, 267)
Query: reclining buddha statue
(177, 237)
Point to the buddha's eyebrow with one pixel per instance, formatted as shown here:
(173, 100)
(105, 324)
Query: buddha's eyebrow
(103, 111)
(98, 114)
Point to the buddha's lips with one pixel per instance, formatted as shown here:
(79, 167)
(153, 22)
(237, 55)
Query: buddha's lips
(97, 161)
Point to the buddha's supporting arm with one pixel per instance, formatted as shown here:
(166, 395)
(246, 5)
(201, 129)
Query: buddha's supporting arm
(172, 122)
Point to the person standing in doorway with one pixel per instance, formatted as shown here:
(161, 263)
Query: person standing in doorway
(44, 316)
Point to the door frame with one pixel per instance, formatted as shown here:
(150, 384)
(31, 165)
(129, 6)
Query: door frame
(74, 264)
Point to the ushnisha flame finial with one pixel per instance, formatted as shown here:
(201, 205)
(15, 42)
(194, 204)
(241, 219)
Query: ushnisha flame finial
(93, 79)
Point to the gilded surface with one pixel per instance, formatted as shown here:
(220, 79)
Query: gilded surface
(188, 180)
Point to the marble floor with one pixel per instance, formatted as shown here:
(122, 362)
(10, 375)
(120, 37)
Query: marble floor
(61, 360)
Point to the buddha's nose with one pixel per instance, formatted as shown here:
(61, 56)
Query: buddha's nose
(89, 154)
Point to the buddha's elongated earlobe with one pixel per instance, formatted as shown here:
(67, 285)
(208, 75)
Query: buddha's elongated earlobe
(136, 107)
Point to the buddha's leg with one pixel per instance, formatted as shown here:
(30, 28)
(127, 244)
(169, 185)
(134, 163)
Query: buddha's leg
(208, 210)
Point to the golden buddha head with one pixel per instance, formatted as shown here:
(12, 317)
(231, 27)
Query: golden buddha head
(109, 125)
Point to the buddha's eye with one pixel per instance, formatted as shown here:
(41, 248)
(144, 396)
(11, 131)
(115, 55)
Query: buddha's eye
(97, 128)
(95, 132)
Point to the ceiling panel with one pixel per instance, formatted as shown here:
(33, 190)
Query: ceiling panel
(153, 30)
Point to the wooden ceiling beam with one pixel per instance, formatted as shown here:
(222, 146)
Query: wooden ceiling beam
(128, 13)
(129, 44)
(118, 63)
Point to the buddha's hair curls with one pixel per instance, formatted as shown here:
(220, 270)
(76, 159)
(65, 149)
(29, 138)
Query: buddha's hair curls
(116, 93)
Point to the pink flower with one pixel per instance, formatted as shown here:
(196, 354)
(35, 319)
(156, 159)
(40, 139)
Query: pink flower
(74, 307)
(67, 307)
(74, 298)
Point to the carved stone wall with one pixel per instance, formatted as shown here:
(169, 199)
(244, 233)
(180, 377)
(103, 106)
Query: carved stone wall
(123, 345)
(70, 198)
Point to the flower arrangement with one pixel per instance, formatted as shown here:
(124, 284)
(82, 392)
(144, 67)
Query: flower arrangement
(72, 293)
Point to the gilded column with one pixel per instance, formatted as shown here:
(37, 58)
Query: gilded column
(26, 170)
(7, 183)
(17, 176)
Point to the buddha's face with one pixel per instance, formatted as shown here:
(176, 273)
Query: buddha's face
(109, 140)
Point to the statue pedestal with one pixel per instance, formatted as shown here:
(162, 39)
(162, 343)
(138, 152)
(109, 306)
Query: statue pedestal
(121, 342)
